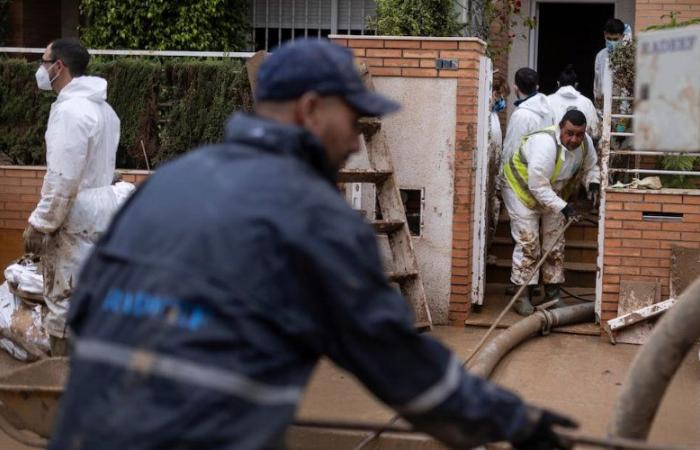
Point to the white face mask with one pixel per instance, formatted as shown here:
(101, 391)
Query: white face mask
(43, 81)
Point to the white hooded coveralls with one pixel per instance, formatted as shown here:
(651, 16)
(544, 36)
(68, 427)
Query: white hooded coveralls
(77, 200)
(566, 98)
(533, 114)
(539, 151)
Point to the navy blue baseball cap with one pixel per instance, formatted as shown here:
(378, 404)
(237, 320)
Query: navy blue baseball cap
(318, 65)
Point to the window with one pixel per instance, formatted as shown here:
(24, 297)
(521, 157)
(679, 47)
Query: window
(413, 200)
(277, 21)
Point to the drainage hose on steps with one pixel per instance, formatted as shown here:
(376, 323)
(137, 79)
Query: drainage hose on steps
(540, 321)
(654, 366)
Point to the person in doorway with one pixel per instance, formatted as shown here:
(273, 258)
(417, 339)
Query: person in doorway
(203, 335)
(533, 112)
(567, 97)
(81, 145)
(499, 92)
(614, 32)
(539, 177)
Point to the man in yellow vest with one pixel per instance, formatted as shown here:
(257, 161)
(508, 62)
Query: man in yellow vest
(537, 182)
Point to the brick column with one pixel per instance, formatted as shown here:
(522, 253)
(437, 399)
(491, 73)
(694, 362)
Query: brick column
(649, 12)
(416, 57)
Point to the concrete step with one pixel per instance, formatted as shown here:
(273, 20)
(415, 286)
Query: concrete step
(579, 274)
(580, 251)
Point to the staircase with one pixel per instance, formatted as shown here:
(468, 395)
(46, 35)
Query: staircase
(580, 259)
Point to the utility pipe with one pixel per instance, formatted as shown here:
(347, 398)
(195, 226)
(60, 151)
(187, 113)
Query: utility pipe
(654, 366)
(540, 321)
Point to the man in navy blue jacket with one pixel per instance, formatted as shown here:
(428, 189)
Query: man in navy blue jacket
(205, 307)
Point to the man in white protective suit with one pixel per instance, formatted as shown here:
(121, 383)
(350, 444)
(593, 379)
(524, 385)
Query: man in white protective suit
(532, 112)
(538, 180)
(615, 31)
(499, 93)
(567, 97)
(77, 199)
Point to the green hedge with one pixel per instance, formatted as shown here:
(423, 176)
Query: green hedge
(167, 107)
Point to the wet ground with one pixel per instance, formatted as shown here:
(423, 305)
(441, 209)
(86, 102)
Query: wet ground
(575, 374)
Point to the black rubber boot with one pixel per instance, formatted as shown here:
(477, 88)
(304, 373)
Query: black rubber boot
(553, 292)
(523, 305)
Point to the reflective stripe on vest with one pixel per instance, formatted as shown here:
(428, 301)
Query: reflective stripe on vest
(516, 170)
(185, 371)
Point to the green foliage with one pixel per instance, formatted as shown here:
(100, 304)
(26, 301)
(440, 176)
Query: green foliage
(416, 18)
(202, 95)
(133, 93)
(165, 109)
(214, 25)
(686, 163)
(24, 111)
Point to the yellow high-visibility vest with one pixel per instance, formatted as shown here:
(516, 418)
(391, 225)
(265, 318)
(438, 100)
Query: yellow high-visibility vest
(516, 170)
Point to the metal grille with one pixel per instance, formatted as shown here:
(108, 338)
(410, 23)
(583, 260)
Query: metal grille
(277, 21)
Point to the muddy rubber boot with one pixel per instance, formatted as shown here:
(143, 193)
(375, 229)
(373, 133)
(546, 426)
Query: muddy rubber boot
(523, 305)
(553, 292)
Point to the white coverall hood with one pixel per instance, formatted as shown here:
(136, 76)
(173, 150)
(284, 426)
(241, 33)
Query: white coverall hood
(91, 88)
(532, 115)
(567, 98)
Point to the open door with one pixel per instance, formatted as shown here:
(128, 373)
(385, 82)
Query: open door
(481, 183)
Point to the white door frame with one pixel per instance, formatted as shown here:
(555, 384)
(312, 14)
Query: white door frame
(481, 178)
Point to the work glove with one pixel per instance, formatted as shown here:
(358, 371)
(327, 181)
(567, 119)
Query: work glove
(33, 240)
(570, 213)
(543, 436)
(594, 193)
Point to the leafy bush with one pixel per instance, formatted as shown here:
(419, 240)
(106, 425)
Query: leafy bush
(214, 25)
(165, 108)
(416, 18)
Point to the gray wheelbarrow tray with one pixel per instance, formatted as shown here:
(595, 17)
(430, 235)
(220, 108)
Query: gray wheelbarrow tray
(29, 397)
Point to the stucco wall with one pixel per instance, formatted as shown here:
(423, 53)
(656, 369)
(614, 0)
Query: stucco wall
(422, 142)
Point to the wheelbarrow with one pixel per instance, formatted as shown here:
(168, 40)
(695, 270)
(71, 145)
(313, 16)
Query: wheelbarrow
(29, 397)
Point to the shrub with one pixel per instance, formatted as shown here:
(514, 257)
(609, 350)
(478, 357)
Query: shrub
(416, 18)
(220, 25)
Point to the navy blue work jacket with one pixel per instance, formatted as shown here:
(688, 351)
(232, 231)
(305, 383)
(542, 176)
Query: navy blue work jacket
(203, 310)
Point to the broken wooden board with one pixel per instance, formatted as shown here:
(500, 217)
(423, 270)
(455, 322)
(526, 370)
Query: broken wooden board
(612, 326)
(252, 66)
(635, 295)
(685, 269)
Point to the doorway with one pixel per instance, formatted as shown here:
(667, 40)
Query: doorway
(570, 33)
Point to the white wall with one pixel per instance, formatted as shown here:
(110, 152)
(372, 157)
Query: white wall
(421, 139)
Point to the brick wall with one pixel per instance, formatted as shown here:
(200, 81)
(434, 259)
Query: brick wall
(649, 12)
(638, 249)
(416, 57)
(20, 188)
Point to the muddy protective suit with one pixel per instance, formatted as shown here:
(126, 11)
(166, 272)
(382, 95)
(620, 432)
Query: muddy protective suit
(567, 98)
(532, 114)
(548, 181)
(76, 198)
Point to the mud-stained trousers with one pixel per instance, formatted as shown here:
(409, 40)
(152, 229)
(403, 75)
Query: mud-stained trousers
(525, 229)
(62, 259)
